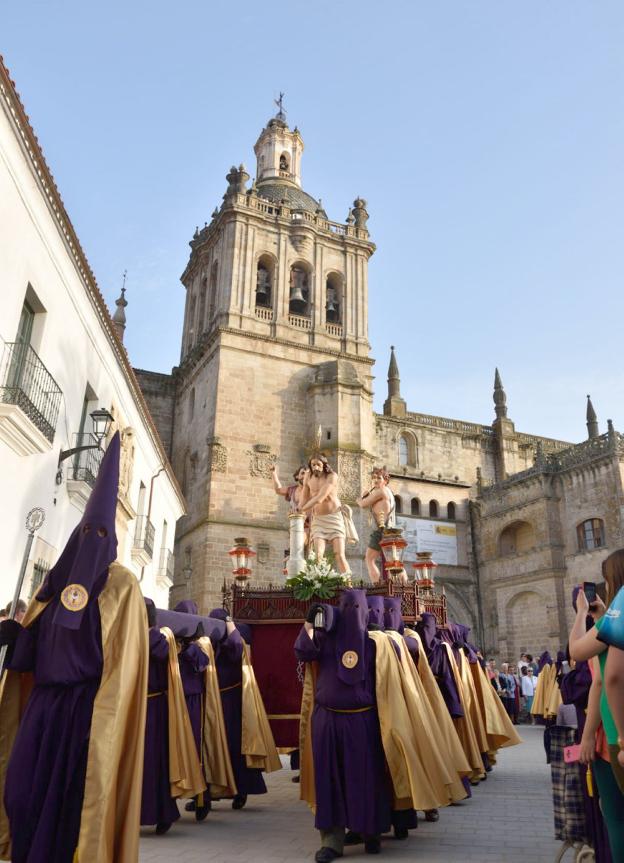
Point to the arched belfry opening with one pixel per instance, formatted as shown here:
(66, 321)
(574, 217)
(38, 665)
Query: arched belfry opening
(333, 298)
(300, 282)
(265, 272)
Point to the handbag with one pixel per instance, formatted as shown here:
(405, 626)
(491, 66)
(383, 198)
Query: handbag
(610, 629)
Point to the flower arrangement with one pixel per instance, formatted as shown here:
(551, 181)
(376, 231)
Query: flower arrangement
(317, 578)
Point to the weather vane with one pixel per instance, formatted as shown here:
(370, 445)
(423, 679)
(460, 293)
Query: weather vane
(281, 114)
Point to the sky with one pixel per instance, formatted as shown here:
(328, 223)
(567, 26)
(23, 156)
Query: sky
(487, 137)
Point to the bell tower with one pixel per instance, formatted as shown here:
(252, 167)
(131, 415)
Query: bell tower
(275, 342)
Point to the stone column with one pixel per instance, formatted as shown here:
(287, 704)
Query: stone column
(296, 561)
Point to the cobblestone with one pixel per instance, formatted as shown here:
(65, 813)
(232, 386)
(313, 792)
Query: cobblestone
(508, 820)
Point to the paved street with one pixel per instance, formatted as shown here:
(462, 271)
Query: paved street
(508, 820)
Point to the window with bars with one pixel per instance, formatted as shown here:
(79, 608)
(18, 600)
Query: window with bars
(590, 534)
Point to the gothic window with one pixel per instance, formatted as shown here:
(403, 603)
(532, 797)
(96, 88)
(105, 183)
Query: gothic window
(213, 290)
(450, 511)
(398, 504)
(299, 298)
(403, 451)
(590, 534)
(415, 506)
(264, 282)
(333, 298)
(433, 509)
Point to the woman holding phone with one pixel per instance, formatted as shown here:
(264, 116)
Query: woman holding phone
(585, 645)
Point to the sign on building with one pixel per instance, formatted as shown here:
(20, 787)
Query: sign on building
(437, 537)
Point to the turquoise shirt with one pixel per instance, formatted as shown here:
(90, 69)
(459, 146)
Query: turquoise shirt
(608, 724)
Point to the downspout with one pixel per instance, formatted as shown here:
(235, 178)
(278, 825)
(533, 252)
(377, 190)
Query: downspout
(149, 508)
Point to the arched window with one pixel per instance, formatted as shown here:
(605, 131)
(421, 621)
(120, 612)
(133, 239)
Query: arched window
(433, 509)
(415, 506)
(299, 298)
(264, 282)
(284, 162)
(450, 511)
(191, 323)
(590, 534)
(214, 272)
(333, 298)
(202, 306)
(516, 538)
(398, 504)
(403, 451)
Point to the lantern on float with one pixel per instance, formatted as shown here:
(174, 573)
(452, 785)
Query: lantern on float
(424, 569)
(393, 548)
(241, 556)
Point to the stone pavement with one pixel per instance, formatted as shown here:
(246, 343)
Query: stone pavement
(508, 820)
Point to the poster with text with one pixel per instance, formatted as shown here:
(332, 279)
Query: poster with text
(421, 534)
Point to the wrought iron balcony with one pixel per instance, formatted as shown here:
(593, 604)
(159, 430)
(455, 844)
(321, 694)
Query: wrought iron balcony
(85, 465)
(25, 383)
(143, 548)
(165, 570)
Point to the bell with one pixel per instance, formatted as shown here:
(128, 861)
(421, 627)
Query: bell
(331, 305)
(296, 296)
(261, 292)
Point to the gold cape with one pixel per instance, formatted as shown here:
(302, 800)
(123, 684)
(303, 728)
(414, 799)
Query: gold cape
(185, 773)
(443, 717)
(463, 724)
(215, 751)
(498, 726)
(111, 806)
(409, 760)
(257, 743)
(543, 691)
(426, 726)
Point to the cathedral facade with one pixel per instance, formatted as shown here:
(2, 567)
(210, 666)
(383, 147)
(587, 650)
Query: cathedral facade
(275, 346)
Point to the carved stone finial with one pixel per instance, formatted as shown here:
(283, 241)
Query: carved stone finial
(359, 212)
(119, 318)
(592, 420)
(500, 398)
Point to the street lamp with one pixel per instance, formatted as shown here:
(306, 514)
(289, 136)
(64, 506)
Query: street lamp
(102, 420)
(241, 556)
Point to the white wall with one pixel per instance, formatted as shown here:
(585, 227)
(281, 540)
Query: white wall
(72, 342)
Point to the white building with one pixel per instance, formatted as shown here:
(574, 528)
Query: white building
(61, 357)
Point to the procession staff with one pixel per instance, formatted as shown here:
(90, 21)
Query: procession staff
(250, 740)
(72, 789)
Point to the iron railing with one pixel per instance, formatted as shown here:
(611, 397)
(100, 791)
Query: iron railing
(26, 383)
(165, 570)
(86, 464)
(40, 570)
(144, 535)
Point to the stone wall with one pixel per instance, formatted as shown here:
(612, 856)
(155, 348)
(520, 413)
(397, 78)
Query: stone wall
(159, 391)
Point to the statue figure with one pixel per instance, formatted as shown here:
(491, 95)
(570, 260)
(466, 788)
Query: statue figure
(331, 521)
(380, 500)
(126, 462)
(293, 493)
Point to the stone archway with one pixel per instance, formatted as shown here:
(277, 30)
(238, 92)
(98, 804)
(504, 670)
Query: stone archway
(527, 624)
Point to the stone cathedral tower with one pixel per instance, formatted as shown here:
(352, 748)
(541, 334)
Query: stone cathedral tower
(274, 344)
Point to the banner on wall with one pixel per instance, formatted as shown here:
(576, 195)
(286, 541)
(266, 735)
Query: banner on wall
(437, 537)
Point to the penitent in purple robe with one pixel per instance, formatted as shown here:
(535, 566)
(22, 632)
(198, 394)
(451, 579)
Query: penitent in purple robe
(193, 663)
(229, 670)
(46, 772)
(440, 664)
(157, 804)
(352, 789)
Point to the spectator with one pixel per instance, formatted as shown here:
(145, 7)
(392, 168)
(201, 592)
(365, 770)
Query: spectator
(522, 663)
(533, 665)
(20, 610)
(516, 699)
(508, 689)
(492, 673)
(528, 682)
(586, 646)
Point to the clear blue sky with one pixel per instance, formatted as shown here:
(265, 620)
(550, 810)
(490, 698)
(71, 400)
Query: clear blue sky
(486, 135)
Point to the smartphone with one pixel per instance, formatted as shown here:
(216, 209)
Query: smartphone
(589, 589)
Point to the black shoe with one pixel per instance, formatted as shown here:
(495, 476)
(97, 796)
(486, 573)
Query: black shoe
(401, 832)
(373, 846)
(161, 829)
(295, 778)
(190, 806)
(326, 855)
(239, 801)
(432, 815)
(352, 838)
(201, 812)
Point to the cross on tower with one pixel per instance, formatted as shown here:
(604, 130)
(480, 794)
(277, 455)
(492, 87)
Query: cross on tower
(281, 114)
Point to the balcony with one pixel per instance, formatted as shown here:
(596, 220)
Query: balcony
(164, 577)
(83, 469)
(300, 322)
(143, 547)
(264, 313)
(30, 400)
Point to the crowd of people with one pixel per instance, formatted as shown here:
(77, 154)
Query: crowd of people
(113, 711)
(515, 685)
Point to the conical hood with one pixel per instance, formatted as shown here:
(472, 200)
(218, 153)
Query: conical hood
(376, 611)
(90, 549)
(187, 606)
(393, 619)
(351, 636)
